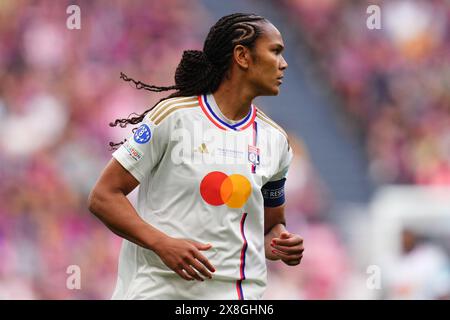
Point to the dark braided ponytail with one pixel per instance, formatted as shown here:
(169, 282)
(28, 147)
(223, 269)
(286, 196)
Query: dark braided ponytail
(200, 72)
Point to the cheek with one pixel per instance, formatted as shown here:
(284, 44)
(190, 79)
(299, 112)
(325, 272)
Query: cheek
(265, 70)
(268, 68)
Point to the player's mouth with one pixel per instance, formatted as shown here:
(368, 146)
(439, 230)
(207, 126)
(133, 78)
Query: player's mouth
(280, 79)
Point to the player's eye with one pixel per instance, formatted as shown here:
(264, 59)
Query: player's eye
(277, 50)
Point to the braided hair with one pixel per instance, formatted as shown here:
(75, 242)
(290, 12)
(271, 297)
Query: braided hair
(200, 72)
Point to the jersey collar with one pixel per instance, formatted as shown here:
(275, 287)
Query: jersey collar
(207, 103)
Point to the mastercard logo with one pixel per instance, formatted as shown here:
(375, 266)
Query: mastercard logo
(217, 189)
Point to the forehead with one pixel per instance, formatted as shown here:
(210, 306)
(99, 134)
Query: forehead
(270, 35)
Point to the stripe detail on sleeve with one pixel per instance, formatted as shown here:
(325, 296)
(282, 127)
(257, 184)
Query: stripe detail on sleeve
(261, 115)
(174, 108)
(166, 104)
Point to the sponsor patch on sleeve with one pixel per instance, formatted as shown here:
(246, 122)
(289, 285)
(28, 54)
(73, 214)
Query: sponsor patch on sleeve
(132, 151)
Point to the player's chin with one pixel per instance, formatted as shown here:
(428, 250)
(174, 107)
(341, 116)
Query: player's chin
(273, 91)
(276, 91)
(269, 90)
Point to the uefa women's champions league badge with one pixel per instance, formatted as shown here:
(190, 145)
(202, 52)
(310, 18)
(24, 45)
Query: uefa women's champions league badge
(253, 155)
(142, 134)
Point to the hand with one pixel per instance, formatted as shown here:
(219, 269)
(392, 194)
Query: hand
(288, 247)
(184, 257)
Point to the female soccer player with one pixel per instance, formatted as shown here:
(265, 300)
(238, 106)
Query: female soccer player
(211, 169)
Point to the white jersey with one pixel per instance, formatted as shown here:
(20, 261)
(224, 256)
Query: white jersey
(200, 178)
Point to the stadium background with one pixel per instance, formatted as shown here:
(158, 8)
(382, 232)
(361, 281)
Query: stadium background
(368, 113)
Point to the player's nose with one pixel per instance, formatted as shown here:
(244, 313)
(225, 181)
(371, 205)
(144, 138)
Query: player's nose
(283, 64)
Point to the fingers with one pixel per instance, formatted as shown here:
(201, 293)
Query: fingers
(292, 262)
(183, 274)
(192, 270)
(289, 250)
(285, 235)
(288, 247)
(198, 265)
(190, 263)
(291, 241)
(192, 273)
(201, 246)
(186, 272)
(289, 259)
(201, 268)
(201, 258)
(205, 261)
(199, 262)
(285, 256)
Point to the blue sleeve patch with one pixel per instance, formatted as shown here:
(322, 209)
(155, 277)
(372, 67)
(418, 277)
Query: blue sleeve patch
(142, 134)
(273, 193)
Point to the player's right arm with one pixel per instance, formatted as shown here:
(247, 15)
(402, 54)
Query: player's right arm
(108, 202)
(130, 164)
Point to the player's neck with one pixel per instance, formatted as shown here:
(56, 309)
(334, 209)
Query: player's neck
(234, 101)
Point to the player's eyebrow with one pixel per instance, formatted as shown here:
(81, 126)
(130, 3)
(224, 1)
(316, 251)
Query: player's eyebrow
(279, 46)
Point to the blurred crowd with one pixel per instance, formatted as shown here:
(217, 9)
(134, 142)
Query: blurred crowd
(59, 89)
(393, 88)
(393, 82)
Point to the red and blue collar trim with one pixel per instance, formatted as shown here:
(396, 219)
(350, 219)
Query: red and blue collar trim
(218, 122)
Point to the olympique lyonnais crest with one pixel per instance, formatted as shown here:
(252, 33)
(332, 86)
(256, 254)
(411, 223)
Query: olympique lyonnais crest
(253, 155)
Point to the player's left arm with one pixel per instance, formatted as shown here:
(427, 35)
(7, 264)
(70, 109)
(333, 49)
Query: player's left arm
(279, 243)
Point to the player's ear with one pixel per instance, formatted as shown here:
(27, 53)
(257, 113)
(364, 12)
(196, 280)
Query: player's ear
(241, 55)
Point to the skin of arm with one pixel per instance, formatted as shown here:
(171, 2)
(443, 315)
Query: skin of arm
(109, 203)
(279, 244)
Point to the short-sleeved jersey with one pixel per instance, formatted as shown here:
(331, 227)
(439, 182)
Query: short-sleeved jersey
(200, 178)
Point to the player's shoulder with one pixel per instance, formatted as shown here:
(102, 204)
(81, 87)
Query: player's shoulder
(269, 124)
(169, 107)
